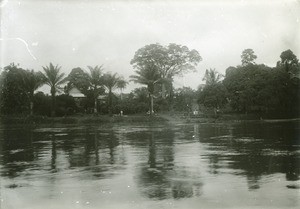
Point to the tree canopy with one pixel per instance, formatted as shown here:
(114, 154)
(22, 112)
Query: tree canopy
(249, 88)
(149, 76)
(288, 57)
(90, 84)
(248, 57)
(214, 94)
(53, 78)
(212, 76)
(111, 82)
(168, 60)
(79, 78)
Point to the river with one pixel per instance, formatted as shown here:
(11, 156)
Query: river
(158, 165)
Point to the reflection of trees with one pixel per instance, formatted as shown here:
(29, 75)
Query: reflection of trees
(53, 154)
(186, 183)
(182, 190)
(279, 140)
(214, 164)
(153, 177)
(95, 151)
(253, 182)
(254, 149)
(16, 151)
(97, 160)
(159, 178)
(291, 165)
(152, 152)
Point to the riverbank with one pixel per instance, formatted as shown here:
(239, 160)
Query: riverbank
(85, 119)
(105, 119)
(176, 118)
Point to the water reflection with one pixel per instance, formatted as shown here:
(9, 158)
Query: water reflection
(187, 161)
(53, 154)
(25, 150)
(152, 177)
(159, 176)
(96, 152)
(17, 151)
(253, 150)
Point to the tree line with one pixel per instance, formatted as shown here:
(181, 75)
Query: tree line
(255, 88)
(246, 88)
(18, 87)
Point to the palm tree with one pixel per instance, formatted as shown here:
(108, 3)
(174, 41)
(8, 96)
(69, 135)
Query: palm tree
(212, 77)
(96, 83)
(148, 75)
(111, 82)
(31, 82)
(53, 78)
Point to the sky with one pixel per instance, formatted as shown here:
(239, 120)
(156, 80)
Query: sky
(78, 33)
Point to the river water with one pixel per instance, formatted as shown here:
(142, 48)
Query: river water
(136, 166)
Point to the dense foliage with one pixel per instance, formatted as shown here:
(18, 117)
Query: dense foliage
(13, 96)
(248, 88)
(257, 88)
(54, 79)
(156, 65)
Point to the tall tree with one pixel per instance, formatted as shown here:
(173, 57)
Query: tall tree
(169, 60)
(53, 78)
(247, 87)
(140, 94)
(288, 69)
(288, 57)
(248, 57)
(13, 97)
(17, 88)
(88, 83)
(31, 81)
(147, 75)
(112, 82)
(80, 79)
(96, 83)
(184, 98)
(212, 77)
(213, 95)
(290, 63)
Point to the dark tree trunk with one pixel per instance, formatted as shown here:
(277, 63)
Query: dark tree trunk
(31, 103)
(151, 104)
(95, 106)
(171, 101)
(110, 102)
(163, 91)
(31, 107)
(53, 101)
(53, 154)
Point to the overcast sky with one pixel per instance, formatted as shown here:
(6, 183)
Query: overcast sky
(77, 33)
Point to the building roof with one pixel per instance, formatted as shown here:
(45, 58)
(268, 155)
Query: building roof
(74, 92)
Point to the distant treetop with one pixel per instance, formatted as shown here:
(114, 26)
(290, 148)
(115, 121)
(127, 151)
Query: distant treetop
(248, 57)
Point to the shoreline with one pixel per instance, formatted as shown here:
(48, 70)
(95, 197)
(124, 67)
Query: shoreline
(105, 119)
(86, 119)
